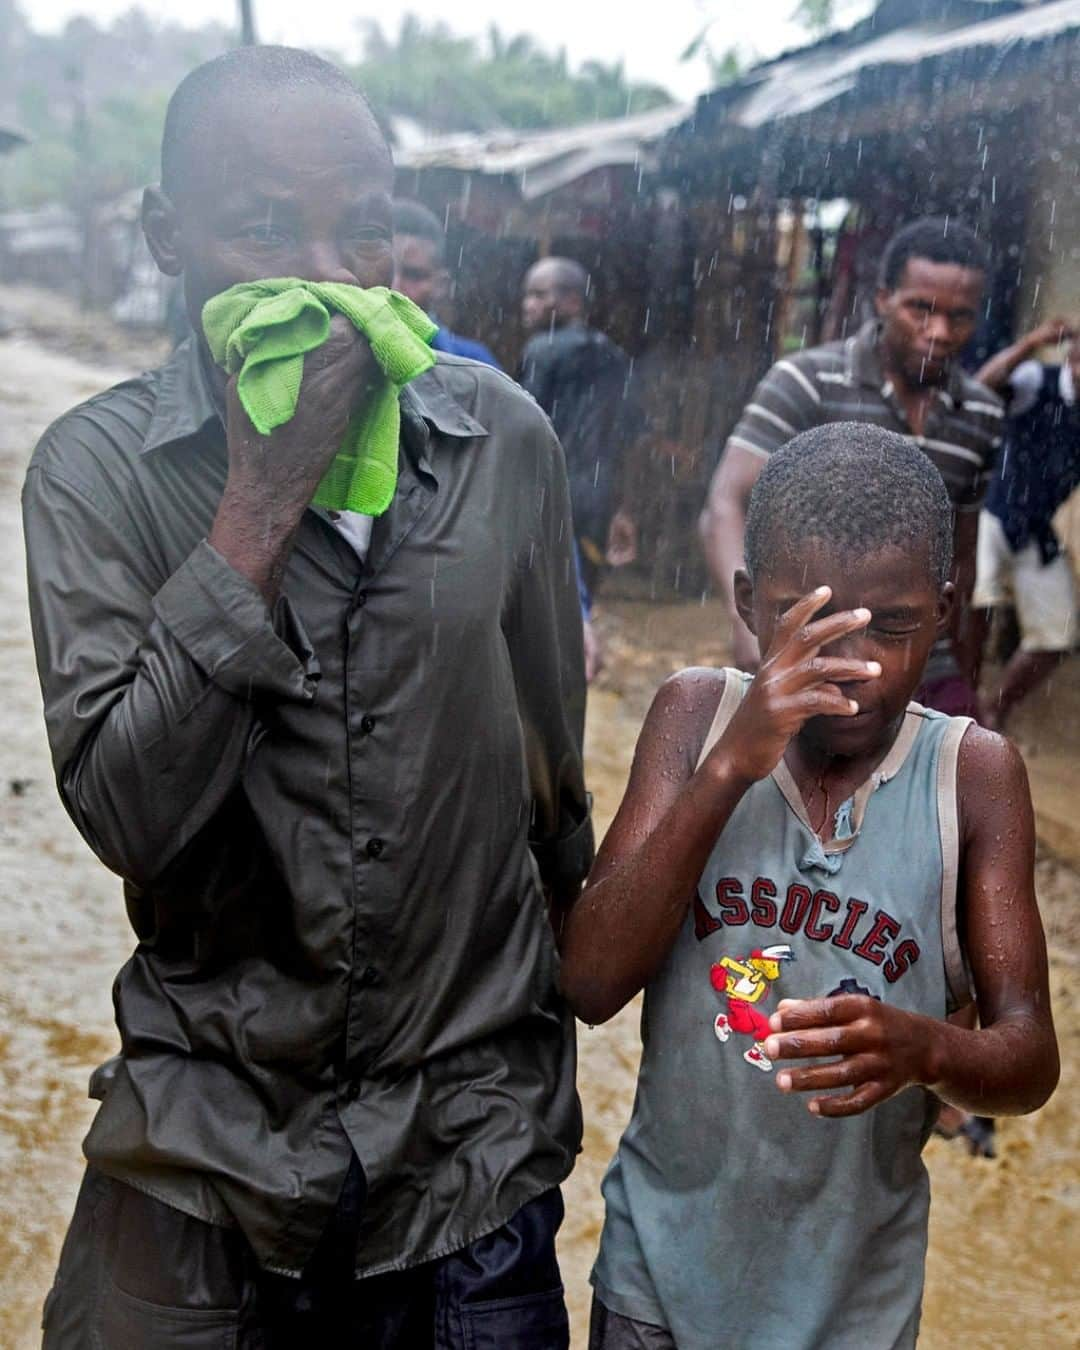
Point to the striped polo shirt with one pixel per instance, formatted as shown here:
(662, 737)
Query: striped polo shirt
(844, 382)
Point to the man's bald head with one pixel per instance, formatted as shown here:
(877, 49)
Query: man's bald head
(556, 293)
(273, 165)
(246, 81)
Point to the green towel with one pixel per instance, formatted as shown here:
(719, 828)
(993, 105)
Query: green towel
(263, 328)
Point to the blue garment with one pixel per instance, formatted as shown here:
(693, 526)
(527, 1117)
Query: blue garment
(455, 345)
(1040, 464)
(582, 589)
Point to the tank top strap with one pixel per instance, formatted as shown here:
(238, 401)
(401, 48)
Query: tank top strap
(736, 683)
(957, 972)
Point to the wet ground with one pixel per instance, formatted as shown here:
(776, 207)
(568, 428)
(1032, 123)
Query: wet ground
(1003, 1233)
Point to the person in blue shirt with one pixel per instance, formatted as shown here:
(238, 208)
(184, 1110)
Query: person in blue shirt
(420, 273)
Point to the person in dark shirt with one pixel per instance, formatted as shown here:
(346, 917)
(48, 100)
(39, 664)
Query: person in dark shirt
(582, 380)
(337, 764)
(1020, 556)
(420, 272)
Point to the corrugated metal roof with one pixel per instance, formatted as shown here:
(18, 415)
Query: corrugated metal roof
(787, 87)
(545, 160)
(810, 79)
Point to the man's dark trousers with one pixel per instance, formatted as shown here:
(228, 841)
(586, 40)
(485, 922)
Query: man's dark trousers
(138, 1275)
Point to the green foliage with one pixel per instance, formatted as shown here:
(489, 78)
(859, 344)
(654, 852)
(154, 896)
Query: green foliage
(75, 158)
(464, 84)
(817, 15)
(90, 142)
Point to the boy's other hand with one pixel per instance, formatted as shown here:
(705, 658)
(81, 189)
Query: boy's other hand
(882, 1050)
(795, 682)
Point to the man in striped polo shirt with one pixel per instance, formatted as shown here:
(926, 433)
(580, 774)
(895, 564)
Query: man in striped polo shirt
(899, 371)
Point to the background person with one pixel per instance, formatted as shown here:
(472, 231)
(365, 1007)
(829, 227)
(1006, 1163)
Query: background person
(1020, 558)
(582, 380)
(420, 272)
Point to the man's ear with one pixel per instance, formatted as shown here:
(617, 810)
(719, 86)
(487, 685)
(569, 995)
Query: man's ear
(162, 230)
(946, 603)
(744, 599)
(882, 296)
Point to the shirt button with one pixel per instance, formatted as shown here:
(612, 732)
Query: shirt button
(359, 600)
(370, 976)
(367, 724)
(375, 848)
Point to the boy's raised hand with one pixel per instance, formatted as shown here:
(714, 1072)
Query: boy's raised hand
(794, 683)
(882, 1050)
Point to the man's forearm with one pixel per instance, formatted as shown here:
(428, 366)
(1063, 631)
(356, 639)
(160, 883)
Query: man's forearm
(170, 741)
(995, 373)
(257, 548)
(723, 531)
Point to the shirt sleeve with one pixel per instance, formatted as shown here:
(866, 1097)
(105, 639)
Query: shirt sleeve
(1024, 385)
(543, 631)
(150, 689)
(785, 402)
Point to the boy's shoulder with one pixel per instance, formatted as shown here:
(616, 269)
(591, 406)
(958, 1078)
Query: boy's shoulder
(990, 770)
(688, 701)
(696, 687)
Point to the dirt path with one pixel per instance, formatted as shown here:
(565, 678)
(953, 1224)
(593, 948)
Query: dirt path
(62, 919)
(1003, 1239)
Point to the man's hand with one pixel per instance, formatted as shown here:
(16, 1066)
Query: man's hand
(622, 540)
(272, 479)
(794, 684)
(882, 1050)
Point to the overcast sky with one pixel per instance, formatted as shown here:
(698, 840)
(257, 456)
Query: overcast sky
(649, 35)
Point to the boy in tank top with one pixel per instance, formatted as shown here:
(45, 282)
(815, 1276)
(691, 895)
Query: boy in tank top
(807, 874)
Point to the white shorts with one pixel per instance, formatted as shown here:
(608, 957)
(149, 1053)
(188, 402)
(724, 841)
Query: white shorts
(1045, 596)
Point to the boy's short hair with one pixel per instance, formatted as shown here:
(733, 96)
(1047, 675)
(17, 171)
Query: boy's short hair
(245, 74)
(855, 487)
(938, 239)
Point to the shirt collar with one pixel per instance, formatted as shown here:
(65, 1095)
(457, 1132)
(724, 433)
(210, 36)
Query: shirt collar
(428, 397)
(187, 402)
(866, 368)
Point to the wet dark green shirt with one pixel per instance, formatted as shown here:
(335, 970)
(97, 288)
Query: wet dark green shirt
(323, 815)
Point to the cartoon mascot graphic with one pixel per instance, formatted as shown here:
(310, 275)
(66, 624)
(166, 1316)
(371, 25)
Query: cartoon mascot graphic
(746, 983)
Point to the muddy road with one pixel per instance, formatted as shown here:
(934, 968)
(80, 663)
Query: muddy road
(1003, 1233)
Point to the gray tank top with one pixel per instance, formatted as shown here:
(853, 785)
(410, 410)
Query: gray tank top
(734, 1218)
